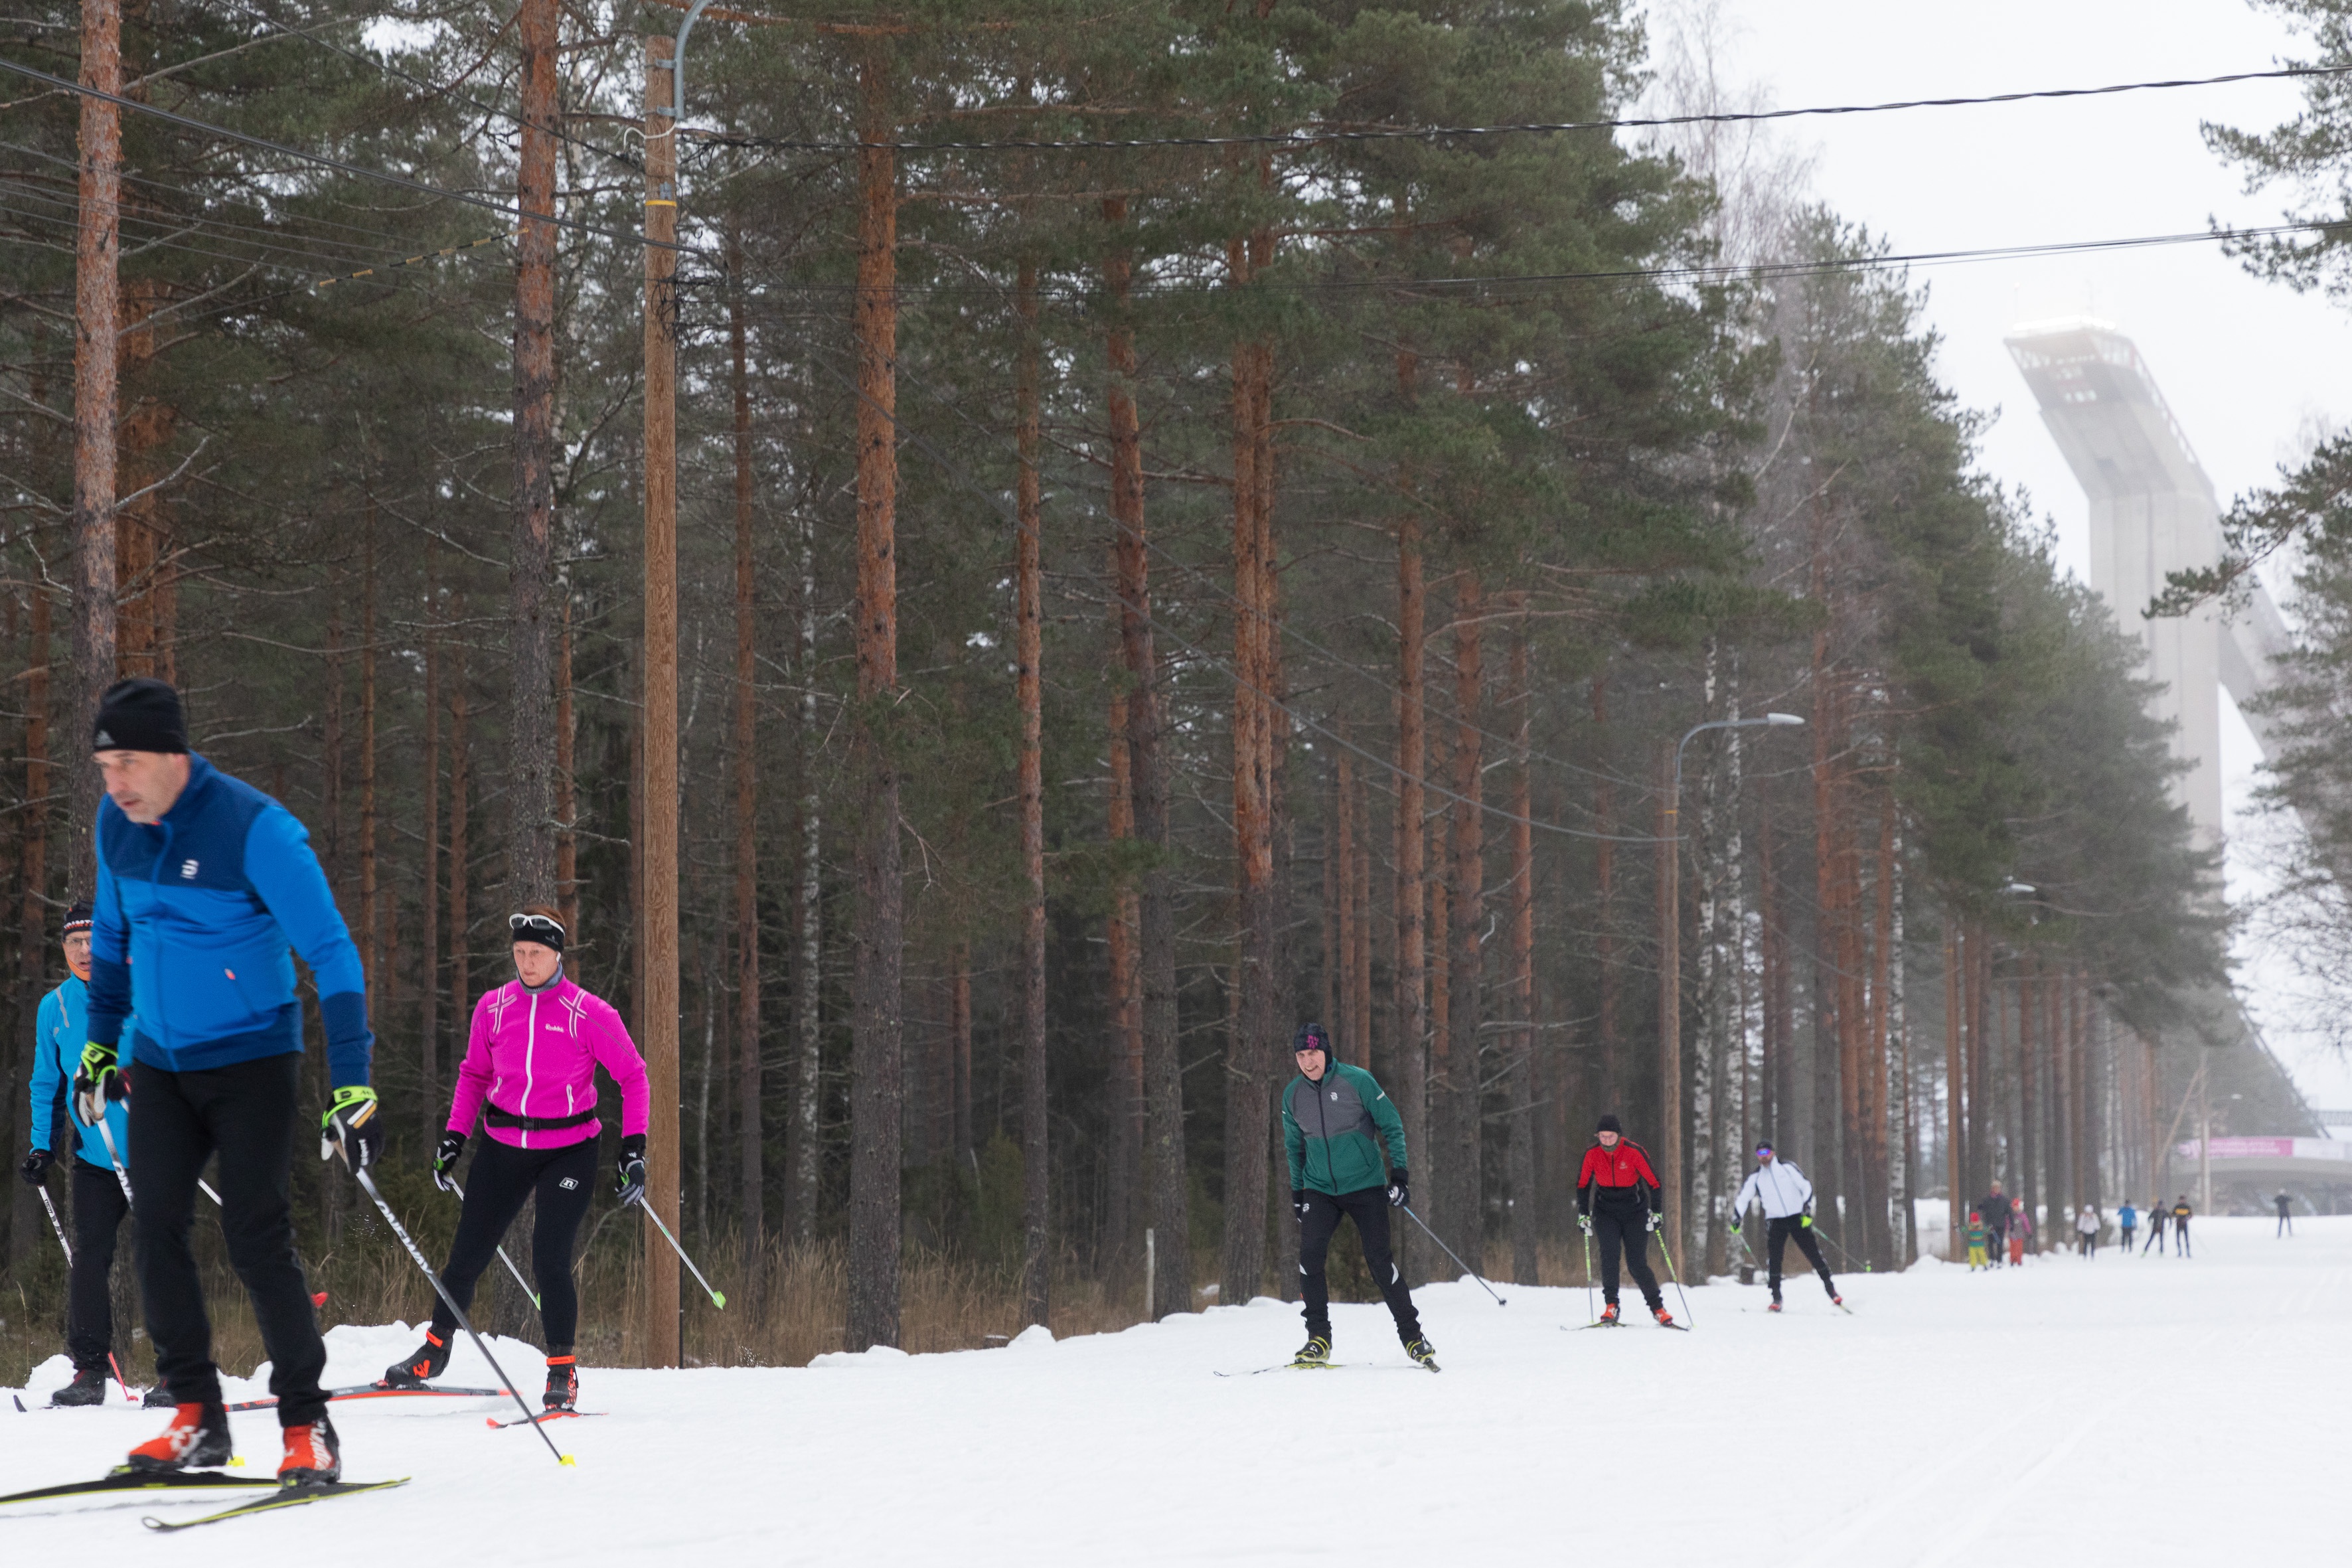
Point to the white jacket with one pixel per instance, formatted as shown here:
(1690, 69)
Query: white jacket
(1779, 1186)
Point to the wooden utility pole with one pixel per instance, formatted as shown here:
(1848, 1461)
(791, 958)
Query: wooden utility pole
(97, 359)
(1028, 644)
(531, 632)
(657, 905)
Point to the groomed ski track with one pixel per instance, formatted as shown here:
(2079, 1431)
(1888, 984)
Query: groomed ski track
(2141, 1410)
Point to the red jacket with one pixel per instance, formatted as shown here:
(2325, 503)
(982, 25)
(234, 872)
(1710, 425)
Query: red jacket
(1620, 1174)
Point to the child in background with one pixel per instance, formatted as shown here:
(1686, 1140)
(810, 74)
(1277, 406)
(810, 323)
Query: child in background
(2021, 1225)
(1977, 1241)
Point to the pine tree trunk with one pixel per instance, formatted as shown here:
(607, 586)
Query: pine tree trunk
(567, 800)
(1882, 1235)
(2032, 1176)
(1360, 1002)
(1339, 906)
(1608, 1072)
(1146, 719)
(33, 915)
(1412, 955)
(1526, 1200)
(97, 359)
(752, 1219)
(1127, 1092)
(1029, 649)
(531, 719)
(1467, 914)
(1955, 1095)
(804, 1158)
(428, 949)
(370, 911)
(877, 937)
(460, 785)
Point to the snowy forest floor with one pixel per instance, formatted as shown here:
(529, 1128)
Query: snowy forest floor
(2145, 1410)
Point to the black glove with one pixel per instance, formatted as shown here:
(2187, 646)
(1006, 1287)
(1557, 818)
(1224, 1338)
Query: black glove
(632, 1168)
(445, 1161)
(1299, 1206)
(37, 1166)
(1399, 1187)
(352, 1127)
(98, 1080)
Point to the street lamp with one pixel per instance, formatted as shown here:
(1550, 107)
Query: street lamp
(1670, 968)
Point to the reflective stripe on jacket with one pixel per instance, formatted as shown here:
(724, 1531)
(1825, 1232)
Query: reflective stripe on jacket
(535, 1054)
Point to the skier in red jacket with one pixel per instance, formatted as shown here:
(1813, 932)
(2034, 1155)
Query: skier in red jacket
(1617, 1198)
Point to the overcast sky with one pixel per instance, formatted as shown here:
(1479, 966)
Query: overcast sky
(2248, 366)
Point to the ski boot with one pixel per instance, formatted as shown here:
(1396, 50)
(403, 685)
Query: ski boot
(1775, 1306)
(1423, 1353)
(88, 1387)
(313, 1454)
(426, 1363)
(1666, 1318)
(197, 1438)
(1836, 1300)
(562, 1383)
(158, 1398)
(1315, 1353)
(1609, 1314)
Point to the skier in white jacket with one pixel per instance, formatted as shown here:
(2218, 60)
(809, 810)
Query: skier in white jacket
(1788, 1202)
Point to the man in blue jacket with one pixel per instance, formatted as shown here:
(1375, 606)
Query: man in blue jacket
(203, 883)
(99, 1205)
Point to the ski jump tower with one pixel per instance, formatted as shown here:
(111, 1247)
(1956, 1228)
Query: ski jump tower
(2152, 512)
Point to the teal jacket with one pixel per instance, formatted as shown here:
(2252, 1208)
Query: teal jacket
(1328, 1130)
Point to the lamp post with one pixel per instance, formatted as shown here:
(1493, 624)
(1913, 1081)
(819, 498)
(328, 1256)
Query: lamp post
(1670, 969)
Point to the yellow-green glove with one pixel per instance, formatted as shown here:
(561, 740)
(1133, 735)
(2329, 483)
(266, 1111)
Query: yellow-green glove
(353, 1126)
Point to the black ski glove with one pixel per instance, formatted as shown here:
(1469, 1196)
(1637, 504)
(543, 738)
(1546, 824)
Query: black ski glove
(1299, 1206)
(632, 1169)
(353, 1126)
(1399, 1187)
(445, 1161)
(36, 1167)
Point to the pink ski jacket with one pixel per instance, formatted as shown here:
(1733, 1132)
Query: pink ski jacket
(530, 1067)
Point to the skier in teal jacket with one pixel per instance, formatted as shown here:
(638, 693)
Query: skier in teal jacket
(1334, 1120)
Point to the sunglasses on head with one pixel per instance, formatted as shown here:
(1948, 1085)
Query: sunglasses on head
(536, 928)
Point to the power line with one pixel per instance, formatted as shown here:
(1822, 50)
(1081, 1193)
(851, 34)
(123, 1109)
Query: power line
(1317, 135)
(321, 159)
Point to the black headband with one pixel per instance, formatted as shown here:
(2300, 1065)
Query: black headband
(544, 930)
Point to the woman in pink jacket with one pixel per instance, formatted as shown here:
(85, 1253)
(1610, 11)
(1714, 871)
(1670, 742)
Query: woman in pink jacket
(530, 1074)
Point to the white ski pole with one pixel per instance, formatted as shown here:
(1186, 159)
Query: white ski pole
(50, 1204)
(716, 1300)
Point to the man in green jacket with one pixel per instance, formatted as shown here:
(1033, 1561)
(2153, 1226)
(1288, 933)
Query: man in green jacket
(1333, 1118)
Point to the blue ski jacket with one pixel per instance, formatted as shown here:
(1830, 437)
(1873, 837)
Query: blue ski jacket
(58, 1037)
(194, 918)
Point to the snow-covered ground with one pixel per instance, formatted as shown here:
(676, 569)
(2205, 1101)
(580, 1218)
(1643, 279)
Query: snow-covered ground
(2139, 1411)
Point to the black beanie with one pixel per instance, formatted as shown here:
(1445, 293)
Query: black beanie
(1609, 1124)
(1311, 1038)
(76, 918)
(140, 714)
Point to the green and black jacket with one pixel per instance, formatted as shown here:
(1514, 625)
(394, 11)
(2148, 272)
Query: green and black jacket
(1330, 1131)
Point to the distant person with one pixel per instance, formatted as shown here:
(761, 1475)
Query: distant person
(1995, 1209)
(1786, 1198)
(2127, 1221)
(2086, 1226)
(1617, 1203)
(2021, 1230)
(1977, 1234)
(2155, 1227)
(2286, 1213)
(2181, 1213)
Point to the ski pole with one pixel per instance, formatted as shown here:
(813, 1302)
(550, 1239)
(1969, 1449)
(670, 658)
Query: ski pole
(716, 1300)
(50, 1204)
(1674, 1274)
(530, 1417)
(502, 1252)
(1589, 1316)
(1442, 1247)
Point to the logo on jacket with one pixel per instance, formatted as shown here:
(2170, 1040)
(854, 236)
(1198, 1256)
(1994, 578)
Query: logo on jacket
(1335, 1094)
(187, 870)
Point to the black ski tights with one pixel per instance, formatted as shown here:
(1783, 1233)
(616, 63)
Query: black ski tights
(1793, 1228)
(1369, 1209)
(1628, 1229)
(500, 1179)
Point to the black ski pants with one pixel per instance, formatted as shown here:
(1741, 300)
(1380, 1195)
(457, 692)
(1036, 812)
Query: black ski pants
(98, 1207)
(1792, 1227)
(2155, 1236)
(245, 1112)
(1369, 1207)
(1627, 1229)
(2180, 1238)
(500, 1178)
(2286, 1225)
